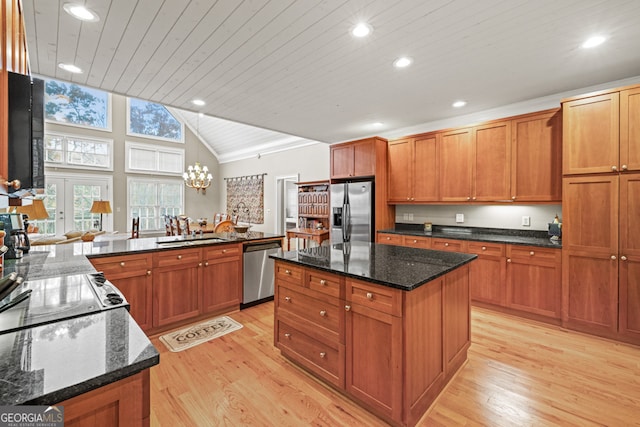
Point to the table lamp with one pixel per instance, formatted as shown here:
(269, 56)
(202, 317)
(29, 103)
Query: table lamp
(35, 211)
(101, 207)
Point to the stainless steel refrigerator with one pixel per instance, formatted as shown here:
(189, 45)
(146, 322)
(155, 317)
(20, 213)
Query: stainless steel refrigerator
(352, 213)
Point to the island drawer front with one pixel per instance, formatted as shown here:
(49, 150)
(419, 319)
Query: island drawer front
(448, 245)
(534, 252)
(177, 257)
(222, 251)
(380, 298)
(321, 313)
(289, 272)
(390, 239)
(483, 248)
(329, 284)
(325, 359)
(122, 264)
(417, 242)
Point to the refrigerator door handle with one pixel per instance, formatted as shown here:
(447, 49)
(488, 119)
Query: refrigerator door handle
(346, 222)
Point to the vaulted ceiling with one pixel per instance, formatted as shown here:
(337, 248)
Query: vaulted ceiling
(292, 66)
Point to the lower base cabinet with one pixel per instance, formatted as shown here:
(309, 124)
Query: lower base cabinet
(392, 351)
(123, 403)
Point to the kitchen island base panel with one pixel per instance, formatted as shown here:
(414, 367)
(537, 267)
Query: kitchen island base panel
(123, 403)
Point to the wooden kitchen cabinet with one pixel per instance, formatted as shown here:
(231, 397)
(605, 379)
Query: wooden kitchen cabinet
(353, 159)
(176, 286)
(131, 274)
(536, 157)
(416, 242)
(451, 245)
(390, 239)
(491, 178)
(630, 129)
(221, 278)
(413, 170)
(534, 280)
(629, 257)
(455, 165)
(487, 273)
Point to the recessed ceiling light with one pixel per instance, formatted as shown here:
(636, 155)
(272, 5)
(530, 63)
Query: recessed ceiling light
(402, 62)
(71, 68)
(593, 41)
(459, 104)
(376, 124)
(361, 30)
(198, 102)
(80, 12)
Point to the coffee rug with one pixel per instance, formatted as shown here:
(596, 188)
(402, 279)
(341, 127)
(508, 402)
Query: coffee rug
(197, 334)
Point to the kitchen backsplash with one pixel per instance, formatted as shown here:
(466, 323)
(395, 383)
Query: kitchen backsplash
(489, 216)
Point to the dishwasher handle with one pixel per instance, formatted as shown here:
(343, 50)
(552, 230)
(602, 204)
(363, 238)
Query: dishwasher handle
(261, 247)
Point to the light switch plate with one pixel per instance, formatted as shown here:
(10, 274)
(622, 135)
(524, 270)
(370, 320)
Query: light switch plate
(459, 218)
(526, 221)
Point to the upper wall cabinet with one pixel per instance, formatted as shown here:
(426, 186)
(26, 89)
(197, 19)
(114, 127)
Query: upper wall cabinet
(353, 159)
(491, 162)
(536, 157)
(601, 132)
(455, 159)
(413, 170)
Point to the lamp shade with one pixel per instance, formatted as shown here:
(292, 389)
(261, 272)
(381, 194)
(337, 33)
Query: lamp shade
(101, 207)
(34, 211)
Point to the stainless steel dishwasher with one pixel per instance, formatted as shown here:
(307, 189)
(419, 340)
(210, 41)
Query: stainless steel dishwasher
(258, 272)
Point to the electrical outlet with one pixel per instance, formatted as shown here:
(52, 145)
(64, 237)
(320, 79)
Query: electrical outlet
(410, 217)
(459, 218)
(405, 217)
(526, 221)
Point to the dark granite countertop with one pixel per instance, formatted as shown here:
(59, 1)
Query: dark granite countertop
(72, 258)
(497, 235)
(394, 266)
(51, 363)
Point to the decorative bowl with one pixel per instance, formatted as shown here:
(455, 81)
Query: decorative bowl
(88, 237)
(240, 228)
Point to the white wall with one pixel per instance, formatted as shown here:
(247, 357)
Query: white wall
(310, 163)
(487, 216)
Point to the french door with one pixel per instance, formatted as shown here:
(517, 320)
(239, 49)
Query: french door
(68, 199)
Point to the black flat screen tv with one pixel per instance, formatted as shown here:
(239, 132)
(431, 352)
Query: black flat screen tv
(26, 131)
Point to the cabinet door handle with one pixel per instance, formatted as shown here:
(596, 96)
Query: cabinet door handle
(347, 308)
(624, 167)
(388, 238)
(199, 264)
(513, 197)
(614, 168)
(224, 251)
(613, 257)
(532, 253)
(484, 248)
(446, 244)
(122, 264)
(369, 296)
(323, 313)
(287, 299)
(287, 335)
(468, 198)
(287, 272)
(508, 259)
(473, 198)
(623, 258)
(323, 282)
(148, 272)
(179, 256)
(322, 354)
(206, 264)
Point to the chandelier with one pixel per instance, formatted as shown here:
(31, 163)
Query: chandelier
(197, 177)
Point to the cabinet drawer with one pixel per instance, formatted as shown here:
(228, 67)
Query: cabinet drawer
(182, 256)
(320, 313)
(117, 265)
(484, 248)
(390, 239)
(386, 300)
(417, 242)
(323, 358)
(448, 245)
(221, 251)
(326, 283)
(289, 272)
(534, 253)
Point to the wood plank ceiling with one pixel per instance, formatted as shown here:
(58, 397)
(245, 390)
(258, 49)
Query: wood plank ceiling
(292, 66)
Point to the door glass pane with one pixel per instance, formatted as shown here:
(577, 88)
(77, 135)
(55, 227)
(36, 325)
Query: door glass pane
(48, 226)
(83, 197)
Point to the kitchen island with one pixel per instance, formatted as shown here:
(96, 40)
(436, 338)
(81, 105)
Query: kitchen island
(388, 326)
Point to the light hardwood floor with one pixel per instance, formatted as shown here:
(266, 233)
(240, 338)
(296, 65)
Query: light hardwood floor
(519, 373)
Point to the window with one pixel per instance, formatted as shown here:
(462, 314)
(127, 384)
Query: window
(78, 152)
(75, 105)
(146, 158)
(151, 120)
(151, 199)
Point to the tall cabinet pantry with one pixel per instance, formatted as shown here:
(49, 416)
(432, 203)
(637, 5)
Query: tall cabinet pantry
(601, 211)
